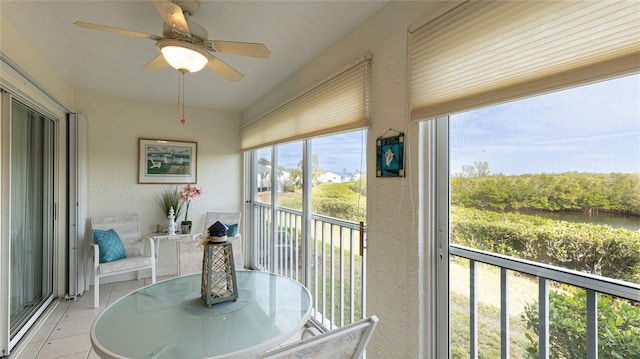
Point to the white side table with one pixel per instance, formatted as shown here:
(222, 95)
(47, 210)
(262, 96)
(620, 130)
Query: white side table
(171, 237)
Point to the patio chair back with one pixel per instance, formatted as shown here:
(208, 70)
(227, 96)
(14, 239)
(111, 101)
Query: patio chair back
(349, 341)
(190, 251)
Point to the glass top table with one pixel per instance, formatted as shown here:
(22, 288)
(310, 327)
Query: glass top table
(169, 319)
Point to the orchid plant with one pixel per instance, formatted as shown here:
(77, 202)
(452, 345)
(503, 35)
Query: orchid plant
(186, 195)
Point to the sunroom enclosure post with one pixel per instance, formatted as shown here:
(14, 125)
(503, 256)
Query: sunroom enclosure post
(306, 212)
(273, 231)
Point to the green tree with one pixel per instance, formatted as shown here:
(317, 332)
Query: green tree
(478, 169)
(316, 170)
(295, 175)
(571, 191)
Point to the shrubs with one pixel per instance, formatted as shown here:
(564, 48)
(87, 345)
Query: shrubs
(618, 327)
(337, 200)
(601, 250)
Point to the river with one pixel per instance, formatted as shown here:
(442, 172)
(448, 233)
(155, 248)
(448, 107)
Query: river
(613, 220)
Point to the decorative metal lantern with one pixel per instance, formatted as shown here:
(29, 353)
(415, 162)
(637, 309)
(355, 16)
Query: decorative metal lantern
(218, 269)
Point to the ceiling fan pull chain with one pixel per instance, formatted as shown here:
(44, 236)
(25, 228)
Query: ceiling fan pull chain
(179, 91)
(183, 120)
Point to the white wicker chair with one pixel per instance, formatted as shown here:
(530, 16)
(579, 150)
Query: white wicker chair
(128, 230)
(190, 252)
(349, 341)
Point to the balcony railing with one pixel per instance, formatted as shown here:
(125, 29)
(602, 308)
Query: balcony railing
(591, 284)
(329, 263)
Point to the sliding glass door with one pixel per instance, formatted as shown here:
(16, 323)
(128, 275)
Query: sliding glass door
(31, 216)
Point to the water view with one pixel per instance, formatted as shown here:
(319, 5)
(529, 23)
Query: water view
(553, 179)
(631, 223)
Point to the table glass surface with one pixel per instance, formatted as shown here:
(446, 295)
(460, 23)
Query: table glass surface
(169, 319)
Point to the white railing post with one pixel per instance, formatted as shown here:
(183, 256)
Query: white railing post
(543, 318)
(504, 313)
(473, 309)
(592, 324)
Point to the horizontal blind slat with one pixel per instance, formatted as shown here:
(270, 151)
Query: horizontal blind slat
(338, 104)
(485, 52)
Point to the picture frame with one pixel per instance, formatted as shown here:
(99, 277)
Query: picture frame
(167, 161)
(390, 156)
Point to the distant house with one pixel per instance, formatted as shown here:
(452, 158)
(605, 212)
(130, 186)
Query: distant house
(263, 178)
(348, 177)
(329, 177)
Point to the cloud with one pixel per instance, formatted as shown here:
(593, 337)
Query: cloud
(592, 128)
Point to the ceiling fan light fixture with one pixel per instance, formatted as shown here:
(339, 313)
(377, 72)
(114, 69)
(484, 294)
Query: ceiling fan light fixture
(183, 58)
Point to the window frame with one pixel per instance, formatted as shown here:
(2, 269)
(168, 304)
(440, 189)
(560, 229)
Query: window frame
(312, 226)
(435, 138)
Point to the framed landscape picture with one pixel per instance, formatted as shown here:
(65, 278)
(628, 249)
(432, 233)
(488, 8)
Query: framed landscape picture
(167, 161)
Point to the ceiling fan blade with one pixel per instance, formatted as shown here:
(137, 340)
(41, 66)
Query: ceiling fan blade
(239, 48)
(158, 63)
(116, 30)
(224, 70)
(172, 15)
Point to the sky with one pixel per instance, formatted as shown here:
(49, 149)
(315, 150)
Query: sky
(336, 153)
(594, 128)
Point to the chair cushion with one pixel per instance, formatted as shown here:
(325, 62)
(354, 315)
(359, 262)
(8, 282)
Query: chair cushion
(232, 230)
(125, 265)
(110, 244)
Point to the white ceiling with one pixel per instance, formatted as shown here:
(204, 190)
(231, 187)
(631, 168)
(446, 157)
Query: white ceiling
(295, 31)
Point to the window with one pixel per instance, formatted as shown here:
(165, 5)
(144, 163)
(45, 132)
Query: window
(262, 174)
(338, 186)
(544, 224)
(290, 175)
(566, 162)
(315, 231)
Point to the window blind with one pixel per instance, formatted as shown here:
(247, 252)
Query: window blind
(338, 104)
(486, 52)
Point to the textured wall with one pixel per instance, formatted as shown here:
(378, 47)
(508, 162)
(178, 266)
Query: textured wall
(114, 126)
(20, 52)
(394, 292)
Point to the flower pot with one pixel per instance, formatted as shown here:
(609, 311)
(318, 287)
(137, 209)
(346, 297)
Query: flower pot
(185, 227)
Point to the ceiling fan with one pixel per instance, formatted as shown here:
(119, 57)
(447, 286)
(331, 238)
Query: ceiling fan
(184, 44)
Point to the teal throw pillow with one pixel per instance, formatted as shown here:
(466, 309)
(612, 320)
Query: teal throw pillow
(232, 230)
(110, 244)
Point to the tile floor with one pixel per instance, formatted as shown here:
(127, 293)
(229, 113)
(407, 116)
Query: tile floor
(65, 333)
